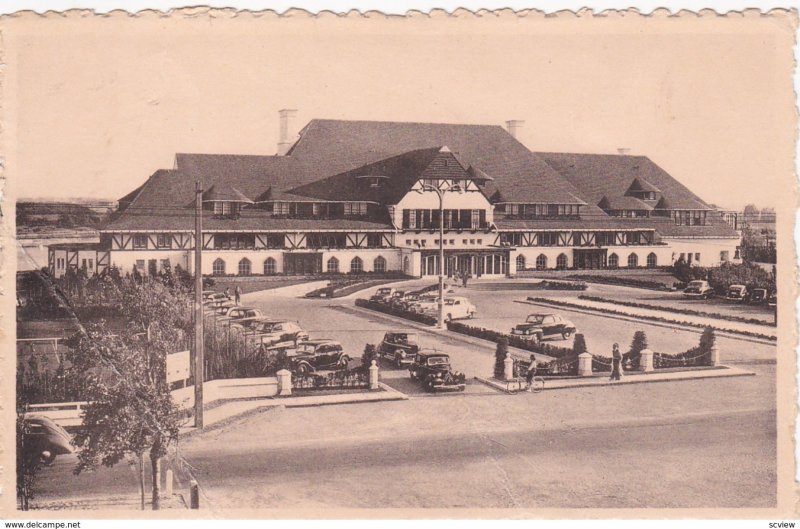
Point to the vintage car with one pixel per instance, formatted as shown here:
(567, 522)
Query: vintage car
(236, 315)
(382, 294)
(759, 295)
(698, 289)
(220, 309)
(407, 300)
(314, 355)
(425, 302)
(214, 298)
(45, 439)
(539, 326)
(399, 347)
(737, 293)
(432, 369)
(773, 300)
(270, 333)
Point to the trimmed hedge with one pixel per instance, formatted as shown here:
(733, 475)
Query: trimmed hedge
(560, 303)
(622, 281)
(512, 340)
(547, 284)
(688, 312)
(386, 309)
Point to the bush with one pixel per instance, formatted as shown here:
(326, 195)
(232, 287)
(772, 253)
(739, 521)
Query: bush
(638, 344)
(694, 357)
(500, 357)
(622, 281)
(370, 354)
(579, 345)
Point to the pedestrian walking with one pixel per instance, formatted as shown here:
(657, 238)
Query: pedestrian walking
(616, 363)
(238, 294)
(228, 292)
(465, 278)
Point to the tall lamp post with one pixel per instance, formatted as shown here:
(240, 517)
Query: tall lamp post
(440, 193)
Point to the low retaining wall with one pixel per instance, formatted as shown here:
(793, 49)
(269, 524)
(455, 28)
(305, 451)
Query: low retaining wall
(231, 389)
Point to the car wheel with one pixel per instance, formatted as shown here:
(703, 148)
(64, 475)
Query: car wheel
(449, 317)
(303, 369)
(344, 361)
(566, 334)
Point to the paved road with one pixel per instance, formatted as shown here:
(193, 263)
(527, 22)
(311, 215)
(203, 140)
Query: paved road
(681, 444)
(627, 446)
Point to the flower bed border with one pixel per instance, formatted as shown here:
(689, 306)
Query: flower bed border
(621, 281)
(659, 319)
(688, 312)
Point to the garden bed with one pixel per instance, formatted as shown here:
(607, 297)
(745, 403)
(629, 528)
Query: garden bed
(560, 303)
(386, 309)
(688, 312)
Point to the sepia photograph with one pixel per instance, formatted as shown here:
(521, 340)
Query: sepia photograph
(476, 265)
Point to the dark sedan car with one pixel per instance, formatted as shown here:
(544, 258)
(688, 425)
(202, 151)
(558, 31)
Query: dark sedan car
(399, 347)
(432, 369)
(314, 355)
(539, 326)
(45, 439)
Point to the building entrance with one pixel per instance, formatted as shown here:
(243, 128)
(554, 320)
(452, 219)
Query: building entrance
(301, 264)
(589, 259)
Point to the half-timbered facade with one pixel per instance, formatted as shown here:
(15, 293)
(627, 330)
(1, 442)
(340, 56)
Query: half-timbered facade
(352, 196)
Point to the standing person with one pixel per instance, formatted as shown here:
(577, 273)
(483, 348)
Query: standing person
(228, 292)
(616, 363)
(238, 294)
(464, 278)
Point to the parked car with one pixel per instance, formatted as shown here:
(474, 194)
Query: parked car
(214, 299)
(539, 326)
(270, 333)
(698, 289)
(407, 301)
(773, 300)
(221, 309)
(759, 296)
(45, 439)
(237, 314)
(313, 355)
(432, 369)
(737, 293)
(399, 347)
(425, 302)
(382, 294)
(456, 308)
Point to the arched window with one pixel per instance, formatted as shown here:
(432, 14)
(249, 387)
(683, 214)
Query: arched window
(269, 266)
(333, 265)
(379, 264)
(520, 263)
(356, 265)
(219, 267)
(244, 267)
(541, 262)
(652, 260)
(633, 261)
(562, 262)
(613, 261)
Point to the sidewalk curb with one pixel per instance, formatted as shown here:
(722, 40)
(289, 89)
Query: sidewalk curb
(646, 378)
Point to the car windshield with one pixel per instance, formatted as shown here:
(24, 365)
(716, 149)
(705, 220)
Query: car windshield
(309, 348)
(737, 289)
(696, 284)
(535, 318)
(438, 361)
(265, 327)
(384, 290)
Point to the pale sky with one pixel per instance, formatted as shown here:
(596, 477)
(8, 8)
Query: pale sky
(99, 105)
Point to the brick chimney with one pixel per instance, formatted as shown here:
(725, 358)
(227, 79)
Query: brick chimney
(287, 133)
(513, 126)
(623, 150)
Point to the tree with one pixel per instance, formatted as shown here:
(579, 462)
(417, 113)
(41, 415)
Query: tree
(638, 344)
(751, 210)
(130, 410)
(28, 461)
(579, 345)
(707, 339)
(500, 354)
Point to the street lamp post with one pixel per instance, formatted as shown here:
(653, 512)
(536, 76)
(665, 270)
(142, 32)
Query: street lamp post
(440, 193)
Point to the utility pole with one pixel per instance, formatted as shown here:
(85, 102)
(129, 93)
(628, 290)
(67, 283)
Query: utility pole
(199, 371)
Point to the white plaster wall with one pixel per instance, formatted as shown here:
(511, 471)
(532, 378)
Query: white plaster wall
(392, 255)
(125, 260)
(232, 258)
(709, 249)
(452, 200)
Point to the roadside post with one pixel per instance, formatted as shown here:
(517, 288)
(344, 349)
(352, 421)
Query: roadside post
(585, 364)
(646, 361)
(508, 367)
(194, 494)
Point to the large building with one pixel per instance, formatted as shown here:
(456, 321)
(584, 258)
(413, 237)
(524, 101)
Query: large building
(363, 196)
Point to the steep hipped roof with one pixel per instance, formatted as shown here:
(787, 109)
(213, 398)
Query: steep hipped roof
(623, 203)
(395, 177)
(610, 175)
(224, 193)
(334, 146)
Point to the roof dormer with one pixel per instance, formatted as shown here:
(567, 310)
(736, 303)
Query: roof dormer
(226, 201)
